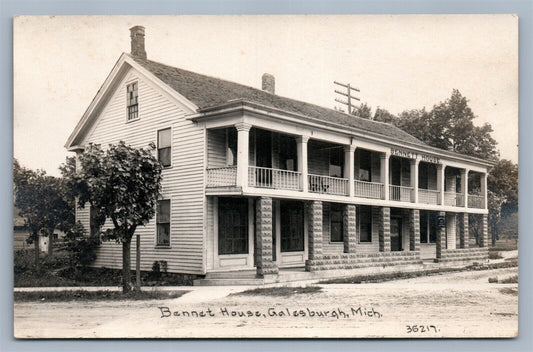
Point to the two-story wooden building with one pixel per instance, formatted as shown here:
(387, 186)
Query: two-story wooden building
(256, 181)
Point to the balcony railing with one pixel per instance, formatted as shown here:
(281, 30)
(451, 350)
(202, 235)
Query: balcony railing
(428, 196)
(453, 199)
(274, 178)
(222, 176)
(401, 193)
(475, 201)
(328, 185)
(372, 190)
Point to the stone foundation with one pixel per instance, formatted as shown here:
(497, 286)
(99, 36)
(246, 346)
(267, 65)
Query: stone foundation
(464, 254)
(354, 261)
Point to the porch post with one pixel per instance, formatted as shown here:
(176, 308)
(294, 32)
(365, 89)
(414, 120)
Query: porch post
(463, 230)
(384, 173)
(243, 136)
(484, 239)
(384, 229)
(441, 234)
(440, 182)
(314, 230)
(301, 150)
(263, 236)
(414, 179)
(484, 189)
(464, 186)
(349, 152)
(414, 230)
(349, 228)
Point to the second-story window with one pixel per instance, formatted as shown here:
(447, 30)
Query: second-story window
(164, 148)
(133, 101)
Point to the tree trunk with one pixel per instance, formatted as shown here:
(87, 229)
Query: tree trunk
(138, 263)
(36, 244)
(126, 265)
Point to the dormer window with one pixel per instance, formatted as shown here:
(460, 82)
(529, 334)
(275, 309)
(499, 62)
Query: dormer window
(132, 97)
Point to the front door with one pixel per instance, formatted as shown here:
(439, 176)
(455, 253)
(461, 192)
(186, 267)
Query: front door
(291, 234)
(233, 234)
(396, 234)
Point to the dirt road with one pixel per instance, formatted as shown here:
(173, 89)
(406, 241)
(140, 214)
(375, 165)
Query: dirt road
(452, 305)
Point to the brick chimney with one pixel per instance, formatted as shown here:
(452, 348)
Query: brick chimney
(269, 83)
(137, 42)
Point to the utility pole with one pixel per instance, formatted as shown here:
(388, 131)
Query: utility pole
(347, 94)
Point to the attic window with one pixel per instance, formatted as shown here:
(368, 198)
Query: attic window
(132, 96)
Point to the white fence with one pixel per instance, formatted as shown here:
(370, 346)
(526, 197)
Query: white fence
(222, 176)
(401, 193)
(372, 190)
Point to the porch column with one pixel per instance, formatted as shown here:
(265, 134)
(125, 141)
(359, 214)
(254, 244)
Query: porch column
(349, 228)
(384, 173)
(441, 234)
(314, 230)
(484, 239)
(484, 189)
(349, 171)
(414, 230)
(301, 150)
(414, 179)
(243, 141)
(440, 182)
(463, 230)
(263, 237)
(464, 186)
(384, 229)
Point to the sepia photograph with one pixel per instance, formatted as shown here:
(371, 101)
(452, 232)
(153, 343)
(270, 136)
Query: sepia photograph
(265, 176)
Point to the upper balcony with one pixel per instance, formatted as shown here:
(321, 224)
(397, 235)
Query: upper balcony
(277, 161)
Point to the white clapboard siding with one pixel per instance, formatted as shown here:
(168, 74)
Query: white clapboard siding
(318, 161)
(210, 238)
(450, 231)
(216, 148)
(183, 182)
(83, 216)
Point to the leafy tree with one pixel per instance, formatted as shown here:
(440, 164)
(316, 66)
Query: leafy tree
(43, 203)
(121, 184)
(382, 115)
(503, 180)
(363, 110)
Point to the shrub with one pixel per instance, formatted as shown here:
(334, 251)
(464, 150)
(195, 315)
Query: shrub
(81, 248)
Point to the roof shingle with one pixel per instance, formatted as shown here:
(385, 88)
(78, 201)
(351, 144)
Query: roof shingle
(205, 91)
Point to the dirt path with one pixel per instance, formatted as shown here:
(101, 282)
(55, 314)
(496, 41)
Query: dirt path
(453, 305)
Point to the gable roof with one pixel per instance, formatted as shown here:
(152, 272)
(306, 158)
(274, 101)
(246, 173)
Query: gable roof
(205, 92)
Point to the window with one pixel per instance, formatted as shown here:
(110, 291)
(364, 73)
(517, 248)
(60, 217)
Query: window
(336, 158)
(163, 223)
(336, 228)
(232, 226)
(428, 227)
(164, 147)
(365, 223)
(132, 97)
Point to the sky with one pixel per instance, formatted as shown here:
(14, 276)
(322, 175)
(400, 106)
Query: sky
(398, 62)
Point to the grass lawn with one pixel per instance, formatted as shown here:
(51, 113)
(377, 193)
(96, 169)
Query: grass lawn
(82, 295)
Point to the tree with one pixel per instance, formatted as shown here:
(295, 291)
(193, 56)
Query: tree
(363, 110)
(449, 125)
(43, 203)
(503, 180)
(382, 115)
(121, 184)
